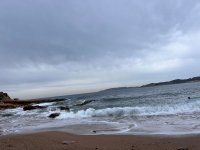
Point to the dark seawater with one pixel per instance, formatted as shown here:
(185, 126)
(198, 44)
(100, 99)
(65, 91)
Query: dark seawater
(147, 110)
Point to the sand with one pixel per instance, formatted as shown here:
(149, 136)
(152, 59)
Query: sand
(65, 141)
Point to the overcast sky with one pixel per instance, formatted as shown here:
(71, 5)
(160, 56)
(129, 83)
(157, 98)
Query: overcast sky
(59, 47)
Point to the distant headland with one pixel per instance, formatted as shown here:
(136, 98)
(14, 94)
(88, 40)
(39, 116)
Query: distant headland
(176, 81)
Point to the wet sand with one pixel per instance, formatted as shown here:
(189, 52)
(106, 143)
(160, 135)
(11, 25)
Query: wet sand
(64, 141)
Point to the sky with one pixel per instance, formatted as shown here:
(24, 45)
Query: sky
(51, 48)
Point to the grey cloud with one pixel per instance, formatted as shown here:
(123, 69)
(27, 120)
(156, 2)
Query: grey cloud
(81, 30)
(49, 41)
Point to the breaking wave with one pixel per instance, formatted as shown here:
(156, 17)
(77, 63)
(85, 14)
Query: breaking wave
(134, 111)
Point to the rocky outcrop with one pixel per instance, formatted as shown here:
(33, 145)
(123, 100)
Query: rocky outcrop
(7, 106)
(35, 101)
(4, 97)
(30, 107)
(6, 102)
(54, 115)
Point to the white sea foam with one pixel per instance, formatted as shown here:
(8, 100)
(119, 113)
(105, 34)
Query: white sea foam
(46, 104)
(132, 111)
(116, 112)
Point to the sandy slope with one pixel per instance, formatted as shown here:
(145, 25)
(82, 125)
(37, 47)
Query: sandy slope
(62, 141)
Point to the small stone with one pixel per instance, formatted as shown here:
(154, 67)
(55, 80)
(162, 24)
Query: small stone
(10, 145)
(94, 131)
(67, 142)
(54, 115)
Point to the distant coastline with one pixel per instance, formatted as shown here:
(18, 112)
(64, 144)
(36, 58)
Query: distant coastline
(175, 81)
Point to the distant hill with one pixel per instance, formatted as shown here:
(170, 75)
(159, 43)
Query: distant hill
(116, 89)
(176, 81)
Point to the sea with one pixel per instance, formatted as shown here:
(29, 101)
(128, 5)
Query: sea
(158, 110)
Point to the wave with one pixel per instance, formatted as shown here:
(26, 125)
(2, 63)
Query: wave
(112, 112)
(133, 111)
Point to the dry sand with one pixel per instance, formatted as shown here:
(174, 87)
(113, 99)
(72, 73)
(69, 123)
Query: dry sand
(65, 141)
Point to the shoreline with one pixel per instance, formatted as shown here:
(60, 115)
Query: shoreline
(97, 129)
(55, 140)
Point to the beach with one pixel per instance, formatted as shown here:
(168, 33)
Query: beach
(99, 75)
(54, 140)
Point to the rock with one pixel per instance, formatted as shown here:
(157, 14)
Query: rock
(182, 148)
(9, 145)
(64, 108)
(54, 115)
(4, 97)
(68, 142)
(30, 107)
(6, 102)
(94, 131)
(84, 102)
(7, 106)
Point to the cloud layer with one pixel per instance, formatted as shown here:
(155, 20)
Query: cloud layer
(64, 47)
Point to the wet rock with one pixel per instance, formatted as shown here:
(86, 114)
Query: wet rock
(54, 115)
(84, 102)
(7, 106)
(30, 107)
(34, 101)
(64, 108)
(94, 131)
